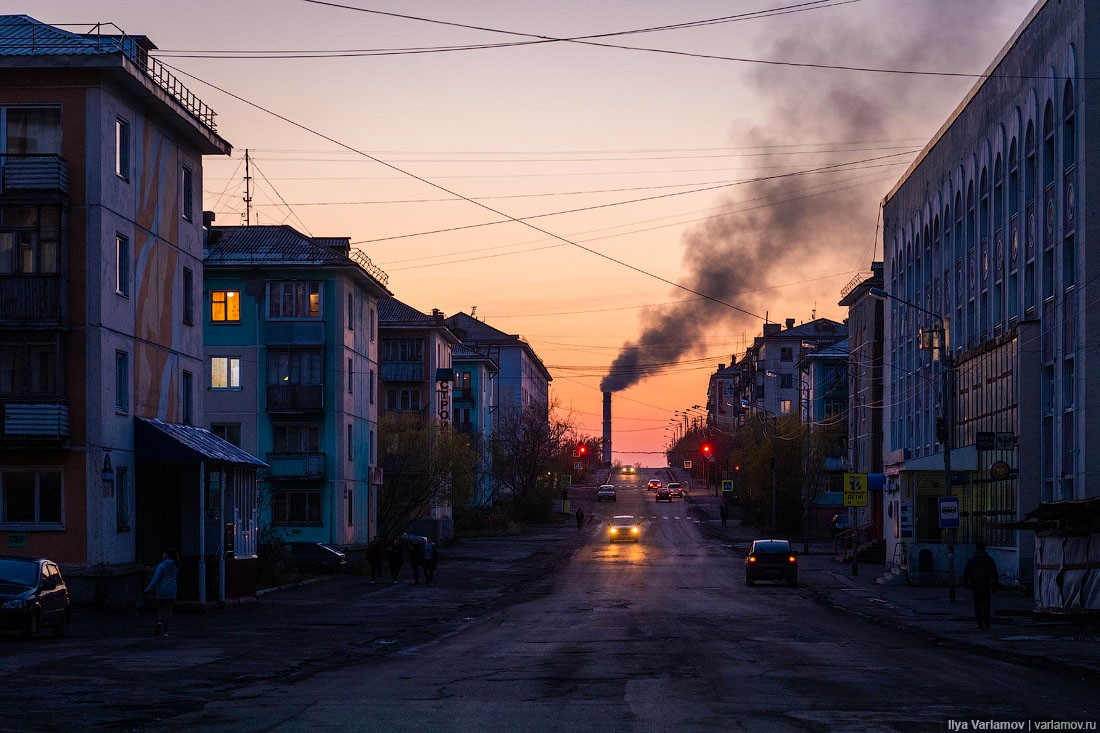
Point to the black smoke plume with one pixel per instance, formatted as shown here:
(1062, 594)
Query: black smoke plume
(808, 234)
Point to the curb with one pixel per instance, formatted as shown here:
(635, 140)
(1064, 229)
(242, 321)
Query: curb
(296, 584)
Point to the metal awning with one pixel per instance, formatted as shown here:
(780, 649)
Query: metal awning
(156, 440)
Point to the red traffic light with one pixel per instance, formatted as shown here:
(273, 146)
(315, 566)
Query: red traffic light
(706, 449)
(582, 449)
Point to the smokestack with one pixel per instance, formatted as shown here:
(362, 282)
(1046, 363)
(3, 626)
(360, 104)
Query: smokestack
(607, 428)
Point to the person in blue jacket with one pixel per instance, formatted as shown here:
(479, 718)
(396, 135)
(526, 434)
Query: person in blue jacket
(163, 585)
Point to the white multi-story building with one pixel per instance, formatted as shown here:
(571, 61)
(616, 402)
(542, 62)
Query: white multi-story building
(983, 241)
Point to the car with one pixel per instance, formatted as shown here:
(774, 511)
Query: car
(663, 494)
(674, 489)
(628, 469)
(624, 528)
(771, 560)
(655, 483)
(317, 557)
(605, 493)
(32, 595)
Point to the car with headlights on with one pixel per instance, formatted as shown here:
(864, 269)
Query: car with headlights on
(663, 494)
(675, 490)
(655, 483)
(605, 493)
(32, 595)
(771, 560)
(624, 528)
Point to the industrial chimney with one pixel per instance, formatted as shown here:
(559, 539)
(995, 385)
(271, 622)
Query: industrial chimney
(607, 428)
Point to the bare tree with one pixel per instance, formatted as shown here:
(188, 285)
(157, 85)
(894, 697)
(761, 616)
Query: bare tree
(426, 464)
(531, 447)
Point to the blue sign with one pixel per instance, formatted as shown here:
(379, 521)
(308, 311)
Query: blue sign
(949, 512)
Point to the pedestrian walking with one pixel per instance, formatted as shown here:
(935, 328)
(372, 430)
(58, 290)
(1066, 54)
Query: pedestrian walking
(724, 512)
(375, 556)
(580, 518)
(980, 576)
(431, 557)
(416, 560)
(165, 587)
(395, 558)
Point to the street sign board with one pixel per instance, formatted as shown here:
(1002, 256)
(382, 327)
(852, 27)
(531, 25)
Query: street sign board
(687, 465)
(985, 441)
(727, 486)
(949, 512)
(17, 539)
(855, 498)
(1005, 441)
(855, 482)
(577, 465)
(566, 481)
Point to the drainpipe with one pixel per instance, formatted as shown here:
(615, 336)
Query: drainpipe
(202, 533)
(221, 545)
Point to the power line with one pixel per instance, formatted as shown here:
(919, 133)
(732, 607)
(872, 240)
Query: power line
(475, 203)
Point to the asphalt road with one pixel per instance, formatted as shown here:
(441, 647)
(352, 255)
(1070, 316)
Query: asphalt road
(662, 635)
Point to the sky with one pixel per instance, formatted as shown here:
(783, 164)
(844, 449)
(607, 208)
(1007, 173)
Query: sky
(684, 170)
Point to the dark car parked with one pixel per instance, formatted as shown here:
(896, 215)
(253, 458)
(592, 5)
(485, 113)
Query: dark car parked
(771, 560)
(32, 595)
(317, 557)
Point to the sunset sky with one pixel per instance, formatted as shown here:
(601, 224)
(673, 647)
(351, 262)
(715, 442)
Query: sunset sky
(676, 161)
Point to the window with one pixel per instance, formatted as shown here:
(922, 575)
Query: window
(122, 499)
(462, 416)
(296, 438)
(786, 353)
(33, 130)
(225, 306)
(786, 381)
(188, 191)
(122, 149)
(349, 375)
(30, 496)
(351, 313)
(350, 489)
(293, 300)
(29, 237)
(295, 366)
(372, 325)
(463, 382)
(409, 350)
(229, 432)
(225, 372)
(296, 507)
(188, 296)
(122, 265)
(187, 398)
(784, 407)
(371, 386)
(351, 446)
(403, 399)
(28, 370)
(122, 382)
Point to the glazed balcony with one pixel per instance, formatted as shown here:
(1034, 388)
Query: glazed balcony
(28, 173)
(295, 398)
(32, 300)
(34, 420)
(297, 466)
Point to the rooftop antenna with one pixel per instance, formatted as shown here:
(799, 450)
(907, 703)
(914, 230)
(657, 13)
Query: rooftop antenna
(247, 190)
(473, 312)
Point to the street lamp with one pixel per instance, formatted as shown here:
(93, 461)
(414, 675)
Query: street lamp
(775, 432)
(947, 408)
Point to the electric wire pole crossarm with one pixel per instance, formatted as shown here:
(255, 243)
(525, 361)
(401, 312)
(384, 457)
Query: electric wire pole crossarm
(947, 410)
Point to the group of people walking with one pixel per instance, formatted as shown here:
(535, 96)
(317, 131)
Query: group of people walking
(423, 557)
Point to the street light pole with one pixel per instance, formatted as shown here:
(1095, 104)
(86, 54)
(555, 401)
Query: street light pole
(947, 410)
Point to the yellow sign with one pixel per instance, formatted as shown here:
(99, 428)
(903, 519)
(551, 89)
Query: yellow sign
(727, 486)
(855, 498)
(857, 483)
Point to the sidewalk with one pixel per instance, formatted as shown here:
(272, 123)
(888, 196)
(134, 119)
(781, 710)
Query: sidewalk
(1018, 634)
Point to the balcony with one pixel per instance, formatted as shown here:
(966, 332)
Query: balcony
(403, 371)
(295, 398)
(294, 333)
(298, 466)
(463, 397)
(34, 420)
(31, 299)
(33, 173)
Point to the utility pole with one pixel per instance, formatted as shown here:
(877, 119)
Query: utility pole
(948, 410)
(247, 191)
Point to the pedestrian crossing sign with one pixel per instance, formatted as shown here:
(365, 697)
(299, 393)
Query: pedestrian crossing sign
(727, 486)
